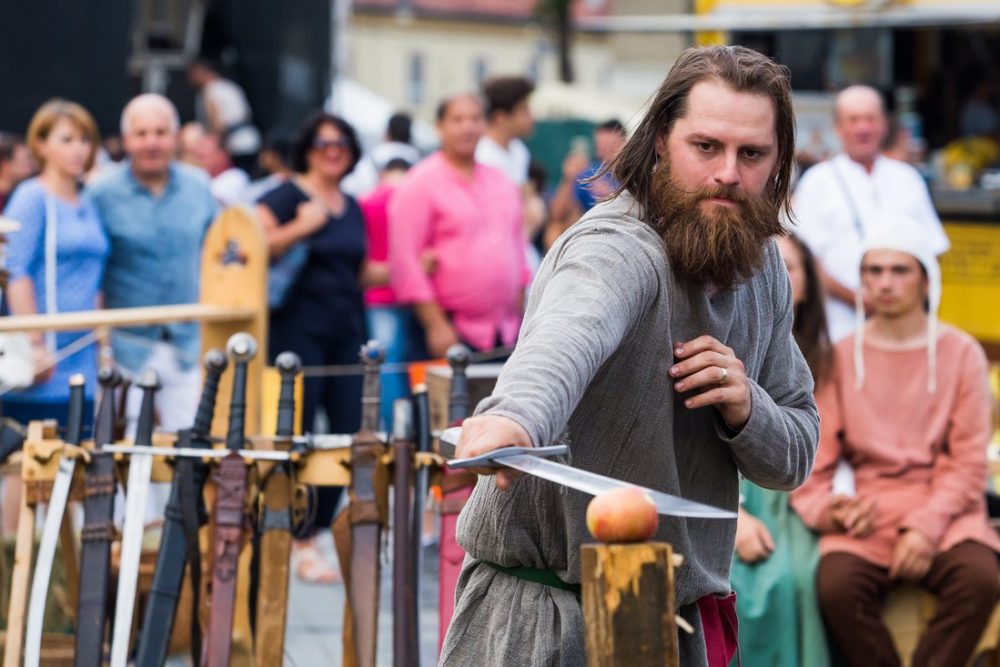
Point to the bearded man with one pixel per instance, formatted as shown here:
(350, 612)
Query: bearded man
(657, 344)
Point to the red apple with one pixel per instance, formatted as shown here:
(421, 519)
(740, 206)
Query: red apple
(622, 515)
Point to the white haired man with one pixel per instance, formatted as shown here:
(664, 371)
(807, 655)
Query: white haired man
(156, 211)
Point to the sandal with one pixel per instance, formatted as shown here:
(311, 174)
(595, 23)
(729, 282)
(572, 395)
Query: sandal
(312, 568)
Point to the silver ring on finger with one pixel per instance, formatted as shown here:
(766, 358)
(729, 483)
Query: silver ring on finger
(725, 376)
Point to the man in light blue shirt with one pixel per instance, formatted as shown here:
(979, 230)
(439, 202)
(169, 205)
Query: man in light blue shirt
(156, 212)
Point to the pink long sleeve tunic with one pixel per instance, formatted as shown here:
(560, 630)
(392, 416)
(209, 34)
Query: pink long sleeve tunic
(921, 455)
(473, 226)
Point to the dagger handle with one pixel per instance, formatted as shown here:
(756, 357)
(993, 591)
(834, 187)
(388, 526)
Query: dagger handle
(288, 365)
(215, 363)
(372, 356)
(149, 383)
(458, 396)
(104, 423)
(241, 349)
(422, 417)
(74, 413)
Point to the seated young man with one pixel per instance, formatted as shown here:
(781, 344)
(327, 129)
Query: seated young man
(909, 408)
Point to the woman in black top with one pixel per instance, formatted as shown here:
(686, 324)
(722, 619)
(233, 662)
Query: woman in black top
(321, 317)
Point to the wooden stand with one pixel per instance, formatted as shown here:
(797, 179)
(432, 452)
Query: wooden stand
(628, 605)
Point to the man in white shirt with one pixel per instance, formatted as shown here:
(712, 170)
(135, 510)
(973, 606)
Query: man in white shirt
(844, 199)
(222, 107)
(230, 185)
(509, 121)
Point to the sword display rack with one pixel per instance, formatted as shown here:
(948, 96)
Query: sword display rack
(329, 462)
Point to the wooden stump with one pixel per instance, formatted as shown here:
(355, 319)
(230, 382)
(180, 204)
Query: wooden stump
(628, 605)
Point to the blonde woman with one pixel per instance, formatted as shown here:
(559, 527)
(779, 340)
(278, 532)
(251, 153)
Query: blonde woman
(56, 260)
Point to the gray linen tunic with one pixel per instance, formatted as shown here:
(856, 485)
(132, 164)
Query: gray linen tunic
(590, 370)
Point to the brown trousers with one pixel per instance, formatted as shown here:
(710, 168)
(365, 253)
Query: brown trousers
(965, 579)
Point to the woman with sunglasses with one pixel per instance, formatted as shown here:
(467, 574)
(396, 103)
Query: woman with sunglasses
(321, 315)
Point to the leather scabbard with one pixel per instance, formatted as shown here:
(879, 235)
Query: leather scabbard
(95, 560)
(275, 550)
(161, 607)
(227, 537)
(405, 647)
(366, 515)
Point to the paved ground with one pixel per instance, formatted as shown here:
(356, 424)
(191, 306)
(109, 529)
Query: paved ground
(315, 616)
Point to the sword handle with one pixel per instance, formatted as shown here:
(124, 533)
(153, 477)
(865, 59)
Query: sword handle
(104, 424)
(458, 397)
(149, 383)
(372, 356)
(74, 413)
(288, 365)
(422, 417)
(215, 363)
(241, 349)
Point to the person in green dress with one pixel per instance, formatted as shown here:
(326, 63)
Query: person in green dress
(776, 555)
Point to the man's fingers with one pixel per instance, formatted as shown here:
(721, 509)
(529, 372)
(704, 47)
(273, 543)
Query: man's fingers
(718, 396)
(702, 360)
(709, 376)
(767, 540)
(686, 349)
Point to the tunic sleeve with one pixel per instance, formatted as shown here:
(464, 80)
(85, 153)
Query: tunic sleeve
(600, 284)
(811, 499)
(776, 447)
(959, 478)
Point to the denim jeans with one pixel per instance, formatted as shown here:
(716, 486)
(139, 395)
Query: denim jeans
(392, 327)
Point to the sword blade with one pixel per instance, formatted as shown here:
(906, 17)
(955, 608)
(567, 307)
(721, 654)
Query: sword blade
(594, 484)
(139, 471)
(43, 564)
(196, 453)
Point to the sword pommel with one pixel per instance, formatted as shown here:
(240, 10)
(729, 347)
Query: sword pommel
(241, 347)
(372, 353)
(215, 360)
(288, 363)
(77, 380)
(109, 377)
(458, 356)
(148, 380)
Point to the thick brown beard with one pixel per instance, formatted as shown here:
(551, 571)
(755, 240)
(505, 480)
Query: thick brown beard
(722, 248)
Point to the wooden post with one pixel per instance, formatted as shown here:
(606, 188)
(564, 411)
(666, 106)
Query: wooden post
(628, 604)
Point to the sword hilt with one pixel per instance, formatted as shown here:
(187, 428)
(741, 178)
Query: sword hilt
(74, 412)
(215, 363)
(288, 365)
(372, 356)
(241, 349)
(104, 424)
(458, 397)
(149, 382)
(422, 417)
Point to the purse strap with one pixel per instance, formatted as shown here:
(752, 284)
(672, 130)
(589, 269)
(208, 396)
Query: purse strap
(50, 267)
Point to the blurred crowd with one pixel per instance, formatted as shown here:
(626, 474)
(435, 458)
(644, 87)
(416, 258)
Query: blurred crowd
(441, 248)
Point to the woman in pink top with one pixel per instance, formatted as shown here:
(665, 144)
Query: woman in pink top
(908, 406)
(469, 215)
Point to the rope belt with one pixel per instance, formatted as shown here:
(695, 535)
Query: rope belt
(544, 577)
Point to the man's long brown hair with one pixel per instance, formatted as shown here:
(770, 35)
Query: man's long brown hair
(740, 68)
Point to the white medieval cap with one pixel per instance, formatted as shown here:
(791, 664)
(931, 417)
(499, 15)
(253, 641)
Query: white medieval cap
(902, 234)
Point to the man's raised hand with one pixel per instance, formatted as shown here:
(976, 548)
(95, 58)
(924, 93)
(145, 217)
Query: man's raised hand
(711, 370)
